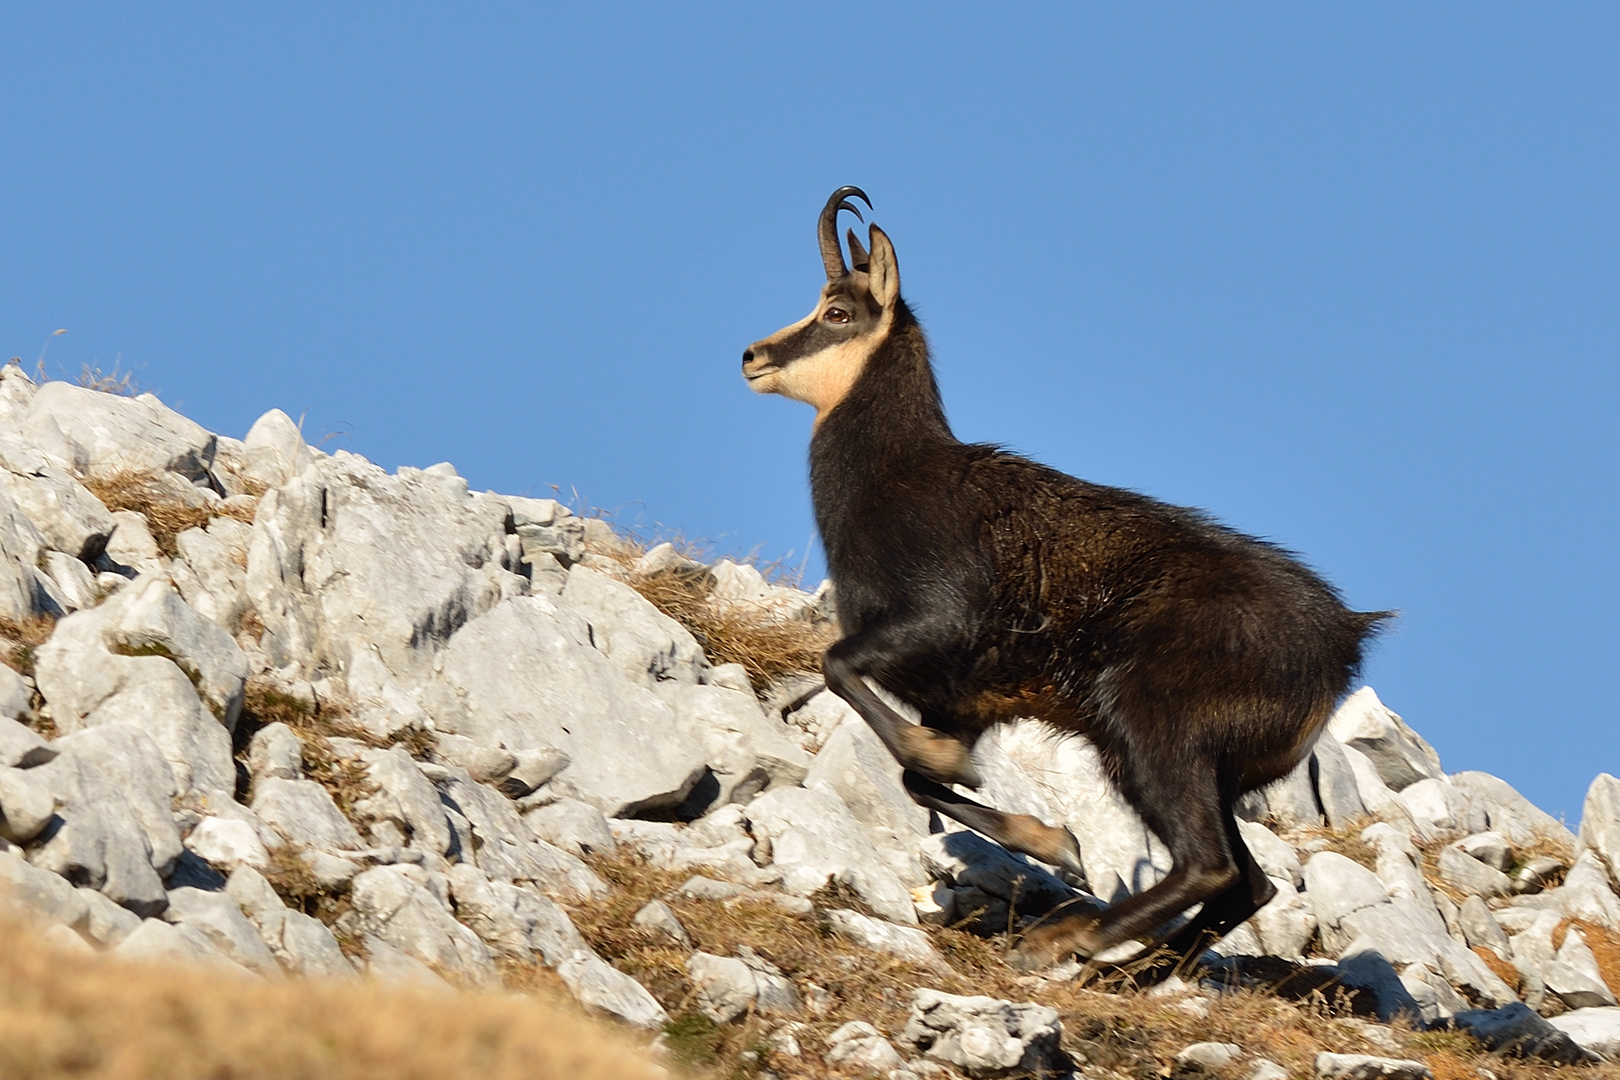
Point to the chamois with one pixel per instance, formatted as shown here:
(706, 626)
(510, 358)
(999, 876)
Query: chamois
(980, 587)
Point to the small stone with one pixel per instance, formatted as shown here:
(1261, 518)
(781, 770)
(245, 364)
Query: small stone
(1490, 848)
(1365, 1067)
(227, 844)
(1266, 1069)
(859, 1045)
(1203, 1057)
(702, 888)
(20, 746)
(275, 752)
(657, 917)
(906, 942)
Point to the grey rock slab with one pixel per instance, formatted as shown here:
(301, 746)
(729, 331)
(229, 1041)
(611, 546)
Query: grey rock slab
(1490, 848)
(1266, 1069)
(525, 675)
(116, 829)
(1434, 806)
(858, 768)
(669, 847)
(275, 752)
(1516, 1029)
(1203, 1057)
(1600, 822)
(1574, 987)
(1291, 800)
(391, 964)
(1274, 854)
(1286, 923)
(275, 449)
(1587, 892)
(1462, 871)
(16, 748)
(20, 547)
(1365, 1067)
(535, 768)
(727, 988)
(1481, 929)
(216, 916)
(1338, 886)
(506, 849)
(106, 923)
(1400, 754)
(574, 826)
(397, 910)
(597, 984)
(26, 805)
(514, 921)
(344, 555)
(227, 843)
(1597, 1029)
(906, 942)
(983, 1036)
(1335, 782)
(88, 684)
(1405, 932)
(485, 764)
(150, 618)
(641, 641)
(88, 430)
(41, 891)
(860, 1046)
(405, 797)
(1492, 804)
(658, 918)
(302, 944)
(216, 560)
(70, 519)
(155, 939)
(303, 812)
(813, 839)
(967, 860)
(746, 750)
(76, 587)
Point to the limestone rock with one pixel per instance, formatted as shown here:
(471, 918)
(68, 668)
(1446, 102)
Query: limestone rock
(42, 891)
(985, 1037)
(16, 747)
(906, 942)
(1462, 871)
(506, 849)
(87, 675)
(1400, 754)
(858, 768)
(1600, 822)
(746, 750)
(216, 916)
(405, 797)
(599, 985)
(656, 917)
(525, 675)
(26, 805)
(1516, 1029)
(301, 943)
(275, 752)
(729, 987)
(1203, 1057)
(814, 838)
(640, 640)
(68, 517)
(227, 843)
(275, 450)
(344, 554)
(1492, 804)
(1365, 1067)
(397, 910)
(1596, 1030)
(860, 1046)
(303, 812)
(574, 826)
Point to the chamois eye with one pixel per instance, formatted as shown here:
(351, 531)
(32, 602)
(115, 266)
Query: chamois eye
(837, 315)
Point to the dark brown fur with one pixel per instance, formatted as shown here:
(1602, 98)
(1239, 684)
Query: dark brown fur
(981, 587)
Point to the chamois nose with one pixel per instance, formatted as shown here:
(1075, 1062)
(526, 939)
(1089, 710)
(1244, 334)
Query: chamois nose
(748, 357)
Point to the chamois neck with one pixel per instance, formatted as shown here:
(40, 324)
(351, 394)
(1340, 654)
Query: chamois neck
(894, 404)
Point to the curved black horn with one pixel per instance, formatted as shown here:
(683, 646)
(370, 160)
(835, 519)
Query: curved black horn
(832, 256)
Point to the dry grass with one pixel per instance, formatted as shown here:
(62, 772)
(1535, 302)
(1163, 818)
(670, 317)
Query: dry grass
(1121, 1031)
(764, 643)
(86, 1017)
(121, 383)
(1346, 840)
(20, 637)
(316, 725)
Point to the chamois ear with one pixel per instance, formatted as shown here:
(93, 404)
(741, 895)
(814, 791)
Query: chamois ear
(883, 274)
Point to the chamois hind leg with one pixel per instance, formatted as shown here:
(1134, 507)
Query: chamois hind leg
(1180, 802)
(1221, 914)
(935, 754)
(1017, 832)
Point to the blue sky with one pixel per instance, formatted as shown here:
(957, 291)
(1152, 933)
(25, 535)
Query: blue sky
(1348, 277)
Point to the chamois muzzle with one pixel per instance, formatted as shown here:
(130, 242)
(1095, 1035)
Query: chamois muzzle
(832, 256)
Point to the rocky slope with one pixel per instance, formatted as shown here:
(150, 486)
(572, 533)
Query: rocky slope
(272, 711)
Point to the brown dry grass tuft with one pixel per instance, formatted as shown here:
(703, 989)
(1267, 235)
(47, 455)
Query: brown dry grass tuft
(135, 489)
(87, 1017)
(760, 640)
(121, 383)
(20, 637)
(316, 725)
(1120, 1031)
(1346, 840)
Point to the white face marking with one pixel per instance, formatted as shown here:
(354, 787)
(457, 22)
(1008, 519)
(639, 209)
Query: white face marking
(822, 379)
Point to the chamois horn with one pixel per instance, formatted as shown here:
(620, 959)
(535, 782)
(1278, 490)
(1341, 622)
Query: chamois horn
(827, 228)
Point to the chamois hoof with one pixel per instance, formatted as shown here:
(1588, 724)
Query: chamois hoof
(1050, 943)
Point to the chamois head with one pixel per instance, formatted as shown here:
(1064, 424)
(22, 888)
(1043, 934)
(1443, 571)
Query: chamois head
(818, 358)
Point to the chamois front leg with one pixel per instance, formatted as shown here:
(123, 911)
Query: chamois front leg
(935, 754)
